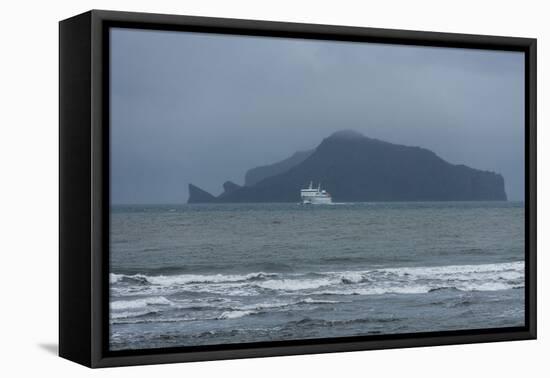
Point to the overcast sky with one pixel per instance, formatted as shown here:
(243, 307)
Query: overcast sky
(204, 108)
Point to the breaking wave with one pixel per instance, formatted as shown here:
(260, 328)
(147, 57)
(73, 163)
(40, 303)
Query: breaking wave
(234, 296)
(188, 278)
(405, 280)
(139, 303)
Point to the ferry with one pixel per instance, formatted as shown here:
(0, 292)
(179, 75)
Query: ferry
(311, 196)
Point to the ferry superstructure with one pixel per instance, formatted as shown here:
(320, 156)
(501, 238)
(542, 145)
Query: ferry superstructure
(315, 196)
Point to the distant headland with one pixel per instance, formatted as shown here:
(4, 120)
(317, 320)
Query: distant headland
(355, 168)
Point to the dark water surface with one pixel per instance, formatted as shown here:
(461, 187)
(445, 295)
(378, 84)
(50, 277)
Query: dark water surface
(230, 273)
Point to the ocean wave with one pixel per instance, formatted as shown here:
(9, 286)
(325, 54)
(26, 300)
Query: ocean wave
(130, 279)
(295, 284)
(410, 289)
(317, 301)
(403, 280)
(506, 270)
(139, 303)
(131, 314)
(134, 311)
(235, 314)
(320, 323)
(260, 308)
(144, 320)
(282, 304)
(183, 279)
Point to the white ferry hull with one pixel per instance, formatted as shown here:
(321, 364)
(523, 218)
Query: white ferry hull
(317, 201)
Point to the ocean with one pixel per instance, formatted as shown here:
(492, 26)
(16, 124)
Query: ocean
(188, 275)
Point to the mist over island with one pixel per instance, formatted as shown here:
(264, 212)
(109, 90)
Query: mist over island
(355, 168)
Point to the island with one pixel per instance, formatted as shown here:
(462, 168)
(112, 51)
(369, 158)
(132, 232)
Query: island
(356, 168)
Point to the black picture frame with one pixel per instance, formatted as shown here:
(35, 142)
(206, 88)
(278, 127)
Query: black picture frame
(84, 187)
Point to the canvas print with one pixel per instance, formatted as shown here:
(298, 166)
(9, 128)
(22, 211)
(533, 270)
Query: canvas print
(274, 189)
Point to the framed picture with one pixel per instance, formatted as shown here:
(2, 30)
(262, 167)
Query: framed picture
(234, 188)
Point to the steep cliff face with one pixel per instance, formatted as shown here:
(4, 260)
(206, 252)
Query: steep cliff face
(197, 195)
(353, 167)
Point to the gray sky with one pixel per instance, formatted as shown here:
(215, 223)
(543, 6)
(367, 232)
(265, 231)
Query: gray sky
(204, 108)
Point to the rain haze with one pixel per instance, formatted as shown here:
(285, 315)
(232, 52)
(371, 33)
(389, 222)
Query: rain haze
(205, 108)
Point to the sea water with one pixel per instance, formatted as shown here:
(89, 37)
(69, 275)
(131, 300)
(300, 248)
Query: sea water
(193, 275)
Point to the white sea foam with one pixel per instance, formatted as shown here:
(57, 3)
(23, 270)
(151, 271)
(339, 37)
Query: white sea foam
(317, 301)
(183, 279)
(403, 280)
(235, 314)
(351, 277)
(295, 284)
(362, 290)
(292, 290)
(140, 303)
(485, 286)
(458, 270)
(283, 304)
(114, 278)
(132, 314)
